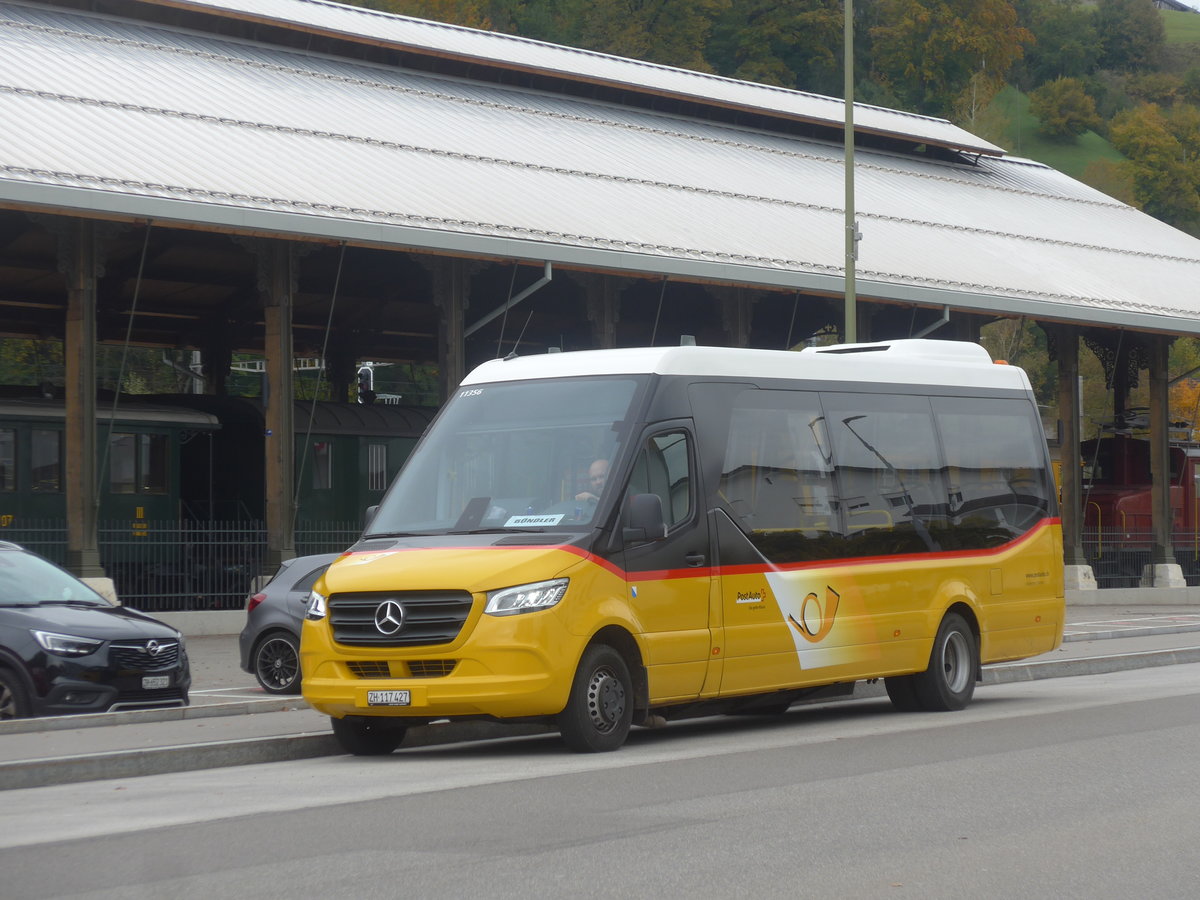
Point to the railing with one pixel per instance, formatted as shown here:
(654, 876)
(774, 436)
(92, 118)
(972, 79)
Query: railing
(174, 566)
(1118, 558)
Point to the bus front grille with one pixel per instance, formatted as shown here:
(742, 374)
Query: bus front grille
(398, 618)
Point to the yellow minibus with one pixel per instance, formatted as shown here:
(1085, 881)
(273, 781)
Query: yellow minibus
(601, 539)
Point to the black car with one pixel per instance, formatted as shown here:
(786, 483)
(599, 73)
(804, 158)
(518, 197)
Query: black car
(270, 642)
(66, 649)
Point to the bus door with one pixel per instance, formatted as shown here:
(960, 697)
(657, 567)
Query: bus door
(777, 518)
(670, 580)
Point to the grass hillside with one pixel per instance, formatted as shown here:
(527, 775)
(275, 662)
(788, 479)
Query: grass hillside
(1181, 27)
(1021, 137)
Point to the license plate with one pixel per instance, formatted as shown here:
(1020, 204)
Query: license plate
(388, 698)
(154, 682)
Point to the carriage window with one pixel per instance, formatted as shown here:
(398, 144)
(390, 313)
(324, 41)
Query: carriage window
(8, 459)
(376, 467)
(152, 463)
(122, 463)
(45, 461)
(322, 466)
(137, 463)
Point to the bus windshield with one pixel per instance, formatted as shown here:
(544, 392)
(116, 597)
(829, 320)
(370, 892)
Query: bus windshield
(513, 456)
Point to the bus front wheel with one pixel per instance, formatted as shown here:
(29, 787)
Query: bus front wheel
(599, 710)
(949, 681)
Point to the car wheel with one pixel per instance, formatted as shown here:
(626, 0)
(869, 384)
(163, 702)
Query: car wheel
(367, 736)
(14, 702)
(599, 710)
(949, 681)
(277, 663)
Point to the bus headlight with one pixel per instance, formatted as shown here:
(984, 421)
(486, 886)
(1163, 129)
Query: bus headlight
(525, 597)
(316, 606)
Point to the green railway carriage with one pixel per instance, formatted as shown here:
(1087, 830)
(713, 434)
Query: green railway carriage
(182, 486)
(139, 475)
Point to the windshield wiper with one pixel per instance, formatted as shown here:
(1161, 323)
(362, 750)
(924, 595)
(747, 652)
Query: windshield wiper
(87, 604)
(396, 534)
(499, 530)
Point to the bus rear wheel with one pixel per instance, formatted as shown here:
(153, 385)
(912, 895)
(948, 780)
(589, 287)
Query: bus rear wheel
(949, 681)
(368, 736)
(599, 710)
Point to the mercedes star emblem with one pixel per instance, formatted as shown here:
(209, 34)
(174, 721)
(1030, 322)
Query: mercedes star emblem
(389, 617)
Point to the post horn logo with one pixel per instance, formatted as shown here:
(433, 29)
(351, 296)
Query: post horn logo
(816, 620)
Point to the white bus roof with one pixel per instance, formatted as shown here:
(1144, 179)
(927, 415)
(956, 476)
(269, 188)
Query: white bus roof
(918, 362)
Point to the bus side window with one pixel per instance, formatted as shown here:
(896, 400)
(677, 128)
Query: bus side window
(776, 476)
(996, 460)
(663, 468)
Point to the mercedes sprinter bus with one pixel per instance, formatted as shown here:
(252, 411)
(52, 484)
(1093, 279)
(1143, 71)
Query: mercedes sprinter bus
(606, 538)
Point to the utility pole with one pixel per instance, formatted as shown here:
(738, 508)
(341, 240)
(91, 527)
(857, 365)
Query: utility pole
(852, 234)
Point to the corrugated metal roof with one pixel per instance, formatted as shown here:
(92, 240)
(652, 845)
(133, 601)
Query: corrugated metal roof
(125, 117)
(512, 51)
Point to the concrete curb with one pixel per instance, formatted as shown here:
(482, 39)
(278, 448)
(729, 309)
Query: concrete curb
(1131, 631)
(25, 773)
(143, 716)
(1005, 673)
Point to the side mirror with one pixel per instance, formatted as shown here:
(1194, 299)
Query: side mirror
(644, 519)
(371, 510)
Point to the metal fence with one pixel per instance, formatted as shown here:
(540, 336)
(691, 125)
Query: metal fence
(175, 566)
(1118, 558)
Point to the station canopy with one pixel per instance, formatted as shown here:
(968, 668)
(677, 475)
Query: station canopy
(311, 120)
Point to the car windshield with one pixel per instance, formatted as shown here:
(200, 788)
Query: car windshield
(28, 580)
(512, 456)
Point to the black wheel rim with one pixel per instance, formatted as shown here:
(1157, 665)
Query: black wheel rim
(278, 665)
(605, 699)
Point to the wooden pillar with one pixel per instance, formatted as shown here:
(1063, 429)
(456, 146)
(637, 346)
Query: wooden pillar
(1163, 570)
(1079, 573)
(603, 308)
(451, 286)
(79, 258)
(737, 311)
(964, 327)
(277, 281)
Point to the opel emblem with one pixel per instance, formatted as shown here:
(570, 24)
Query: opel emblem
(153, 647)
(389, 617)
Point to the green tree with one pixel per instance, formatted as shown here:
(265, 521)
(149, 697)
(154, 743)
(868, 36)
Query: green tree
(1065, 44)
(795, 43)
(1063, 108)
(1162, 88)
(490, 15)
(1131, 34)
(1163, 150)
(671, 32)
(939, 54)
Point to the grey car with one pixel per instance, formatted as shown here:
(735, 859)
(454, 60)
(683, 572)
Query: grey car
(270, 642)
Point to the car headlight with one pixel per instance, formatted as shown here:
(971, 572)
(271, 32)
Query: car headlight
(525, 597)
(316, 606)
(66, 644)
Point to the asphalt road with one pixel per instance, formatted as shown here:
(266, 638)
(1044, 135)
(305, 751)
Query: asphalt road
(1065, 787)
